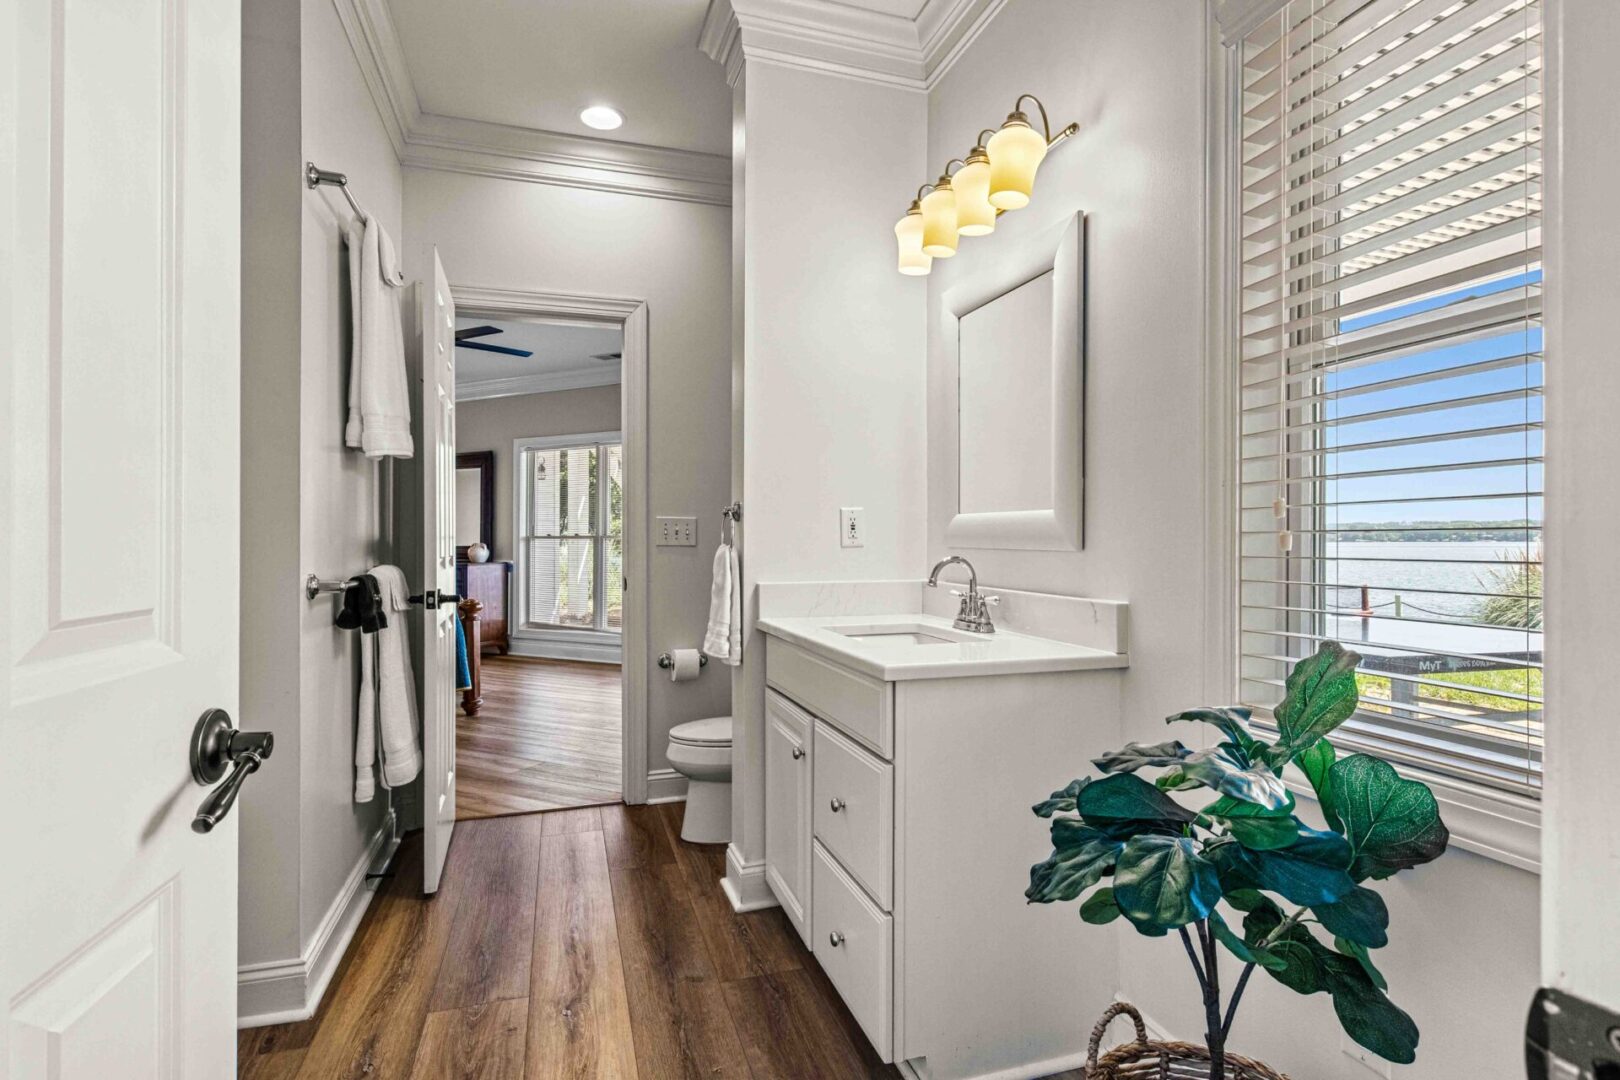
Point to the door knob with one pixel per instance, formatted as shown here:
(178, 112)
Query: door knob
(798, 752)
(835, 939)
(216, 745)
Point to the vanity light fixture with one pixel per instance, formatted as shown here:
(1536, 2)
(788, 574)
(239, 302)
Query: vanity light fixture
(998, 175)
(601, 117)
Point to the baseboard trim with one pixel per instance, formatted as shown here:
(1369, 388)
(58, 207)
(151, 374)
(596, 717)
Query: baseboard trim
(665, 785)
(745, 885)
(588, 651)
(285, 991)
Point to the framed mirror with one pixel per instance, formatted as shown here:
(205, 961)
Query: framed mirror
(1013, 337)
(475, 501)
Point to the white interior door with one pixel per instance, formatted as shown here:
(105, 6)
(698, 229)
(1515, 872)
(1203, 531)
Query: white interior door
(436, 453)
(119, 270)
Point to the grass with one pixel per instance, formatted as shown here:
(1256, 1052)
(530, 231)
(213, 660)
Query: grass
(1523, 681)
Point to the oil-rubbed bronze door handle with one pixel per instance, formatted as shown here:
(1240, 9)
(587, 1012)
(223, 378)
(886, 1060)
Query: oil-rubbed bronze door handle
(216, 745)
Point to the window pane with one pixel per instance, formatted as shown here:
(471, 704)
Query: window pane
(613, 582)
(562, 491)
(561, 582)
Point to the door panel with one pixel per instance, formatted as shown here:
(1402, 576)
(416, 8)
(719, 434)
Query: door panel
(788, 772)
(437, 458)
(119, 485)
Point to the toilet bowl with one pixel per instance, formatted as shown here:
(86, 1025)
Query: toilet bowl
(701, 752)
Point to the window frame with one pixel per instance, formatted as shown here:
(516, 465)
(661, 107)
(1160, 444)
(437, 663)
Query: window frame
(1491, 822)
(523, 627)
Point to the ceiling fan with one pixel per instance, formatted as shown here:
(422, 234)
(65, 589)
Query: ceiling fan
(463, 342)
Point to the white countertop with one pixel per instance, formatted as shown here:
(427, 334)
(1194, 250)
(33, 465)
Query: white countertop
(1005, 652)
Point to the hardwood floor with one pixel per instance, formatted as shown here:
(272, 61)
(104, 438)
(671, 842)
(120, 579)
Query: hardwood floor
(571, 945)
(549, 735)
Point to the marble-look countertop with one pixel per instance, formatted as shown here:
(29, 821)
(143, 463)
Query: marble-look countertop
(1005, 652)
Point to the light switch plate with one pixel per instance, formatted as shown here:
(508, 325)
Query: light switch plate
(676, 532)
(851, 526)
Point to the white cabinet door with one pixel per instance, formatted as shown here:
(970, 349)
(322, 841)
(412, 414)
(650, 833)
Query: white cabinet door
(119, 494)
(787, 807)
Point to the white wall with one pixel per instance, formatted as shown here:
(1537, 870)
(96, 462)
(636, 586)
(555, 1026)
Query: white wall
(831, 402)
(309, 504)
(510, 234)
(1463, 956)
(493, 423)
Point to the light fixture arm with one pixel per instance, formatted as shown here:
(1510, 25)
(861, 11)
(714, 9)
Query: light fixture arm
(1046, 125)
(958, 162)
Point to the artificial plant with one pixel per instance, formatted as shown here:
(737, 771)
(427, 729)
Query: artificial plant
(1171, 867)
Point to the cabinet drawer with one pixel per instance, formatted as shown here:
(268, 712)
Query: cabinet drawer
(854, 811)
(860, 965)
(862, 706)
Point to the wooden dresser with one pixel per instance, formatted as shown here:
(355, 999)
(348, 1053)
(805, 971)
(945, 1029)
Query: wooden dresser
(487, 583)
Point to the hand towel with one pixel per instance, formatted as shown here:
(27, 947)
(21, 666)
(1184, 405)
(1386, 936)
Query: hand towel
(379, 393)
(389, 729)
(722, 639)
(463, 669)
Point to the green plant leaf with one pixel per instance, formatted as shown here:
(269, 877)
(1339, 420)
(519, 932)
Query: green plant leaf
(1080, 857)
(1138, 755)
(1359, 916)
(1359, 954)
(1100, 907)
(1220, 769)
(1304, 959)
(1125, 797)
(1316, 762)
(1233, 721)
(1367, 1014)
(1321, 695)
(1249, 954)
(1061, 801)
(1162, 881)
(1246, 899)
(1392, 824)
(1257, 827)
(1310, 871)
(1175, 778)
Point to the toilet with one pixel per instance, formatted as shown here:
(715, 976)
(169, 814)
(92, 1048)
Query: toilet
(701, 751)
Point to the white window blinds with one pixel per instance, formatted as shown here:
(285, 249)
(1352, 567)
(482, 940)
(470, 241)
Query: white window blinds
(1390, 439)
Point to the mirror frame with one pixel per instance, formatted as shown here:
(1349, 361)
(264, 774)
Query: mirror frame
(484, 462)
(1061, 251)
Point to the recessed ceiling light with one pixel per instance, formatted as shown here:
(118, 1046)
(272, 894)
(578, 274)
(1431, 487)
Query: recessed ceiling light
(601, 117)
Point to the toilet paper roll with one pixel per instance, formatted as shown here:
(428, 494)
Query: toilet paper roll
(688, 663)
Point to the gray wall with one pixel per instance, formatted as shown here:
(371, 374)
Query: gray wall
(308, 504)
(492, 424)
(511, 234)
(1463, 954)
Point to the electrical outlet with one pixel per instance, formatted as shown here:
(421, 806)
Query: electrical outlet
(677, 532)
(1353, 1050)
(851, 526)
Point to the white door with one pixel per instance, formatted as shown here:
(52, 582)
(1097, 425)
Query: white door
(436, 453)
(787, 808)
(119, 270)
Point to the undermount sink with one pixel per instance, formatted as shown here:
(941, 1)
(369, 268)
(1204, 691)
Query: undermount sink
(897, 635)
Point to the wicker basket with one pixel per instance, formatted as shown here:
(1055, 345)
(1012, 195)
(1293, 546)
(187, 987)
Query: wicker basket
(1147, 1059)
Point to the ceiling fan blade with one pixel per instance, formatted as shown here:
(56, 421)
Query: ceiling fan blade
(493, 348)
(478, 331)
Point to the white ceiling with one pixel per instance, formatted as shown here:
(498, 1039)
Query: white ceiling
(536, 63)
(560, 349)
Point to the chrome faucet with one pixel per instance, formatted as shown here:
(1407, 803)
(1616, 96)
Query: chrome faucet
(974, 613)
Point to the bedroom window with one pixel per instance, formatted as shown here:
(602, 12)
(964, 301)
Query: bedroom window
(570, 531)
(1388, 293)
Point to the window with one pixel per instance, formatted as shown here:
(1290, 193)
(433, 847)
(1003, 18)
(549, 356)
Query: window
(1388, 294)
(570, 533)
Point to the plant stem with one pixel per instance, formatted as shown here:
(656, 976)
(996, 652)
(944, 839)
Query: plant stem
(1283, 927)
(1237, 995)
(1198, 968)
(1214, 1036)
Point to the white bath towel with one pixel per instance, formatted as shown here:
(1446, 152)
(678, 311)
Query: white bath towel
(722, 639)
(389, 729)
(379, 393)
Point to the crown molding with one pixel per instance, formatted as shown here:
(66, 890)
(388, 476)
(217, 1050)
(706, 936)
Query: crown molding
(543, 383)
(473, 147)
(849, 42)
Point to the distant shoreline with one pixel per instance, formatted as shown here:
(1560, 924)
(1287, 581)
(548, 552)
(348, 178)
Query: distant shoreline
(1515, 532)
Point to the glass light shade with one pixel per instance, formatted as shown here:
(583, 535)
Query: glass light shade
(974, 214)
(1016, 152)
(908, 232)
(939, 221)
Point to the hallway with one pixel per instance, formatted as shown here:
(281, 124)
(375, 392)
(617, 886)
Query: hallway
(578, 943)
(549, 735)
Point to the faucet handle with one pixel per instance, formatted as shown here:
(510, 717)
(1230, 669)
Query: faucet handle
(958, 592)
(994, 601)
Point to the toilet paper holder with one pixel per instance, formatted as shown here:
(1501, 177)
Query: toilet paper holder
(667, 661)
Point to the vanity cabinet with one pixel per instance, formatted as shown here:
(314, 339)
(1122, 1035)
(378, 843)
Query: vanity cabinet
(788, 767)
(899, 837)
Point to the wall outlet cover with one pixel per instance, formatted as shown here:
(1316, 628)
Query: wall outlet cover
(851, 526)
(676, 532)
(1375, 1065)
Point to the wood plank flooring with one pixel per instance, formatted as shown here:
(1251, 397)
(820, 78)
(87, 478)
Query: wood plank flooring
(575, 945)
(548, 735)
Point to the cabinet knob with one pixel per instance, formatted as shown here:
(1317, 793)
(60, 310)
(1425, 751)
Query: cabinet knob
(835, 939)
(798, 752)
(837, 804)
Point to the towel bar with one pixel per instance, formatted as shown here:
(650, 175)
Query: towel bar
(314, 586)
